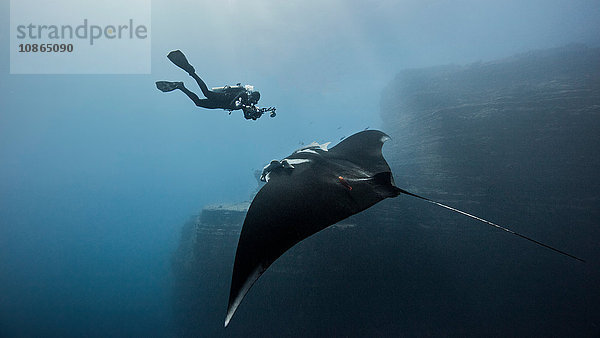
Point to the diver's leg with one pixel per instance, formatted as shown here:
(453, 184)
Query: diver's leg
(181, 61)
(167, 86)
(209, 94)
(204, 103)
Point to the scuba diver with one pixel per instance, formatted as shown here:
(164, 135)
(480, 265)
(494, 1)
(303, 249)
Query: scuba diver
(229, 98)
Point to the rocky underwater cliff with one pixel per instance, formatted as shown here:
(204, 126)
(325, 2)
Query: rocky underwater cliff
(516, 141)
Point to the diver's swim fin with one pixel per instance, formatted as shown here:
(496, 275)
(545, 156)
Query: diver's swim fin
(180, 61)
(166, 86)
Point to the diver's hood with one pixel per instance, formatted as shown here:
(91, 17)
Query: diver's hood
(253, 94)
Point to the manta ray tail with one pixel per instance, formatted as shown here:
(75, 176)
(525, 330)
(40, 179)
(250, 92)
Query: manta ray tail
(490, 223)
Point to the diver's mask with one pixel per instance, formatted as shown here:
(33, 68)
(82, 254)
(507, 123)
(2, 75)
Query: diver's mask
(254, 97)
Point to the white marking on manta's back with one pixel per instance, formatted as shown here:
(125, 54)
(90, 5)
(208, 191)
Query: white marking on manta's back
(357, 179)
(324, 146)
(286, 164)
(295, 161)
(314, 146)
(306, 151)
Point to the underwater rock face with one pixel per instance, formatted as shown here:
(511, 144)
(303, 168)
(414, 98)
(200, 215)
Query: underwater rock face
(515, 141)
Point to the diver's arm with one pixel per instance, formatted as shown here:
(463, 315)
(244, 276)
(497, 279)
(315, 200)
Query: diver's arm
(257, 112)
(238, 103)
(266, 110)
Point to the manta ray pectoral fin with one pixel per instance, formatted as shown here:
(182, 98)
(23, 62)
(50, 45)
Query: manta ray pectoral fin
(364, 148)
(236, 299)
(490, 223)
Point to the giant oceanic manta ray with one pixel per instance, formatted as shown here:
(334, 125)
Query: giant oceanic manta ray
(310, 190)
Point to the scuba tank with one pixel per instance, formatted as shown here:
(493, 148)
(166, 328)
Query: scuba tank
(238, 88)
(229, 89)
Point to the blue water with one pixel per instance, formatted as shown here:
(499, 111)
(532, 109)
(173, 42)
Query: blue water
(99, 172)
